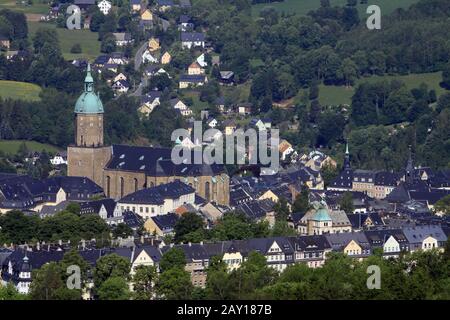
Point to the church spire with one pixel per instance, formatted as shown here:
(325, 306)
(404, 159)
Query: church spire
(409, 171)
(347, 157)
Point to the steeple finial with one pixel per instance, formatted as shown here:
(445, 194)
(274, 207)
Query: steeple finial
(88, 81)
(347, 157)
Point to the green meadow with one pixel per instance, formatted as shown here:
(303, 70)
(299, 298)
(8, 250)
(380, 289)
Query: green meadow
(335, 95)
(88, 40)
(19, 90)
(12, 146)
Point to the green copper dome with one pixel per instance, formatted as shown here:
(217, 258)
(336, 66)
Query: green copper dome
(89, 102)
(322, 215)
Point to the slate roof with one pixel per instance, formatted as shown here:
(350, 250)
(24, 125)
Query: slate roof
(152, 251)
(310, 243)
(344, 180)
(22, 192)
(192, 36)
(95, 206)
(151, 96)
(256, 209)
(419, 233)
(156, 162)
(193, 78)
(166, 222)
(157, 194)
(84, 2)
(358, 219)
(338, 241)
(131, 219)
(377, 238)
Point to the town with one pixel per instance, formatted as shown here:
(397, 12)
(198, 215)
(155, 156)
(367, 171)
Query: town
(88, 179)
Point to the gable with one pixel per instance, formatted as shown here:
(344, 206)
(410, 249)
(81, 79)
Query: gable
(143, 257)
(352, 245)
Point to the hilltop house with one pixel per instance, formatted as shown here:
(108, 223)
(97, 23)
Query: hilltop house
(123, 38)
(166, 58)
(153, 44)
(192, 39)
(149, 102)
(135, 5)
(194, 80)
(146, 15)
(194, 68)
(148, 57)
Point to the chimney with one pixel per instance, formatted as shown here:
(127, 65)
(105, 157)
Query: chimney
(60, 242)
(38, 246)
(171, 245)
(189, 244)
(151, 241)
(201, 243)
(83, 244)
(142, 239)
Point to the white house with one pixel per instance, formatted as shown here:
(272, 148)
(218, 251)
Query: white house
(192, 39)
(158, 200)
(149, 102)
(59, 158)
(121, 86)
(201, 61)
(148, 57)
(120, 76)
(104, 6)
(179, 106)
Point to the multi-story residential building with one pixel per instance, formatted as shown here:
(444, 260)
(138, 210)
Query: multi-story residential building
(321, 220)
(353, 244)
(425, 237)
(158, 200)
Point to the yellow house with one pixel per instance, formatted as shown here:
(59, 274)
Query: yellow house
(166, 58)
(152, 228)
(233, 260)
(161, 225)
(147, 15)
(269, 194)
(153, 44)
(353, 249)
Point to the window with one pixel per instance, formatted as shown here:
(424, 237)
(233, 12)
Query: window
(122, 187)
(108, 186)
(207, 191)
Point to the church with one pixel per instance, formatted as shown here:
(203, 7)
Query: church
(121, 169)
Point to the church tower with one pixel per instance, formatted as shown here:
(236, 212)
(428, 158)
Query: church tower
(89, 116)
(409, 170)
(88, 156)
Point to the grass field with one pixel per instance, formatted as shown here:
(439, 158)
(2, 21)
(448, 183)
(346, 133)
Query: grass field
(19, 90)
(12, 146)
(38, 6)
(302, 7)
(88, 40)
(334, 95)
